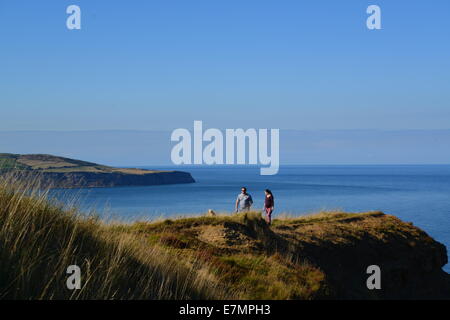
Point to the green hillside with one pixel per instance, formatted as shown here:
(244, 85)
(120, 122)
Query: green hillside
(50, 163)
(59, 172)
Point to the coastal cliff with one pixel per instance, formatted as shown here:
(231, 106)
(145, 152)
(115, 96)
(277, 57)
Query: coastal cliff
(111, 179)
(322, 256)
(59, 172)
(225, 256)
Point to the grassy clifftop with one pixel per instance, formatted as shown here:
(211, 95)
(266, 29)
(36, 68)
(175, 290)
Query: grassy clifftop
(322, 256)
(60, 172)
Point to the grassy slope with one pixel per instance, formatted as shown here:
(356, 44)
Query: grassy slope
(39, 240)
(221, 257)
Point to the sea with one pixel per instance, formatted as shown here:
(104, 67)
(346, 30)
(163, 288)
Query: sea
(415, 193)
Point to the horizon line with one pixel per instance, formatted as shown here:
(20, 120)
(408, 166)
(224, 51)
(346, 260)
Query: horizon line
(169, 130)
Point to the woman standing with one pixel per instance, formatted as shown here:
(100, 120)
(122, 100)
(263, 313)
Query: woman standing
(268, 205)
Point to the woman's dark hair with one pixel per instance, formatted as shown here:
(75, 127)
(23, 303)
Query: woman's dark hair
(269, 192)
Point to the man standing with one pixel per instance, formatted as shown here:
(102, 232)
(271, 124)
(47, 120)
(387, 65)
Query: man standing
(244, 201)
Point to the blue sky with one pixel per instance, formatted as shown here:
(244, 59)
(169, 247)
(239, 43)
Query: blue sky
(160, 65)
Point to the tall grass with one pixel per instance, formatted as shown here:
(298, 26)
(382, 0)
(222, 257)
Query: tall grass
(40, 238)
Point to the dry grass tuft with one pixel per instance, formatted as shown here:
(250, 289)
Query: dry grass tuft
(39, 239)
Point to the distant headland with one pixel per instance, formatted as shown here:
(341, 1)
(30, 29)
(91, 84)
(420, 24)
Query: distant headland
(59, 172)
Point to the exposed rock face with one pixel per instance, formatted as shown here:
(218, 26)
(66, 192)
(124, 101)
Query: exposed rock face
(410, 261)
(95, 180)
